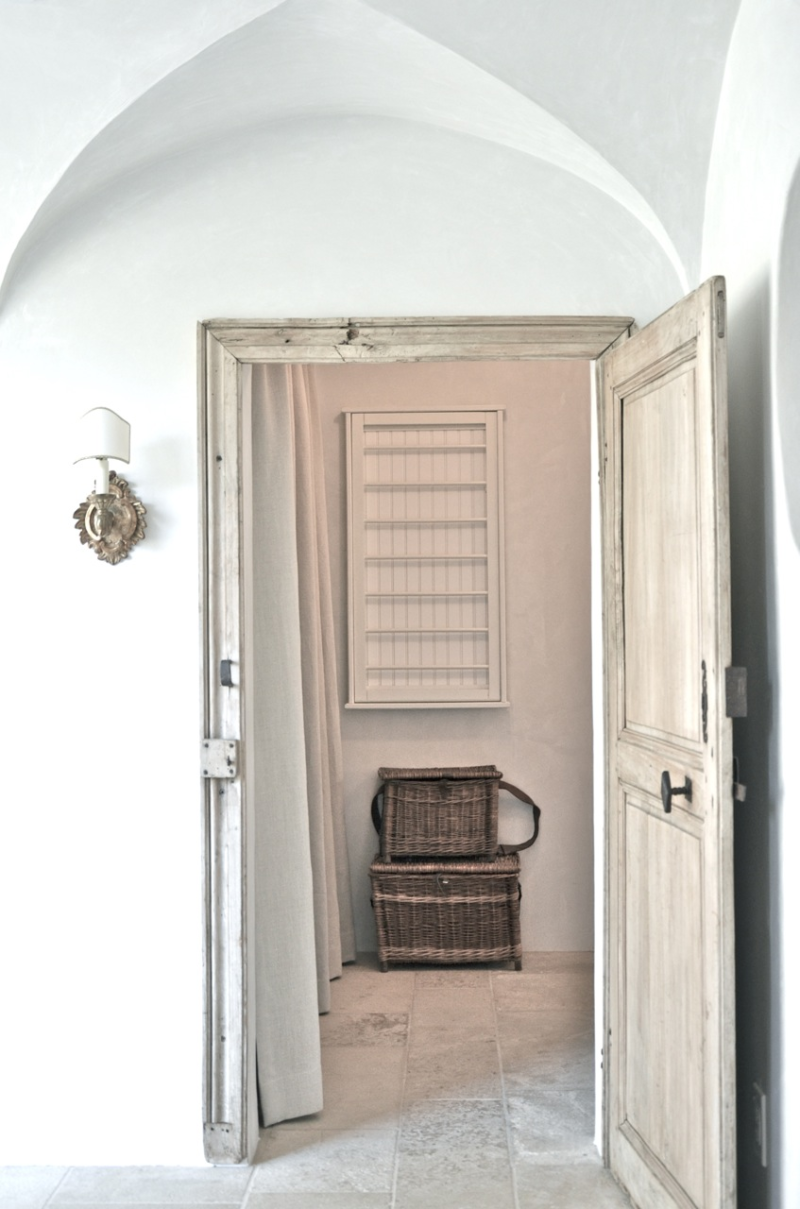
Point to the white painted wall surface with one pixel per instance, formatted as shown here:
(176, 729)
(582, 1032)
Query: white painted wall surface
(752, 235)
(101, 865)
(543, 741)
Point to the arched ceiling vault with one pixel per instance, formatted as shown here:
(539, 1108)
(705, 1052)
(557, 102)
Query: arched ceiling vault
(165, 77)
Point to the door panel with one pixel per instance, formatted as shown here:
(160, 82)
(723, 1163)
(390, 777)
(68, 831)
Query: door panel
(660, 523)
(660, 1099)
(670, 1099)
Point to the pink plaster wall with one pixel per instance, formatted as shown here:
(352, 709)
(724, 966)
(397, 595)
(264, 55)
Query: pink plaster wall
(543, 742)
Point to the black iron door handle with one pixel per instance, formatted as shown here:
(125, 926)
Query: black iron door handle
(668, 793)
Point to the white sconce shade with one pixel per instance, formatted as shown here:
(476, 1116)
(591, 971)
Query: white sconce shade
(111, 520)
(103, 434)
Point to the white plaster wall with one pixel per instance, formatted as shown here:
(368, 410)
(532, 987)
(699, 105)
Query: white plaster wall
(67, 69)
(311, 215)
(754, 162)
(396, 176)
(639, 82)
(543, 741)
(609, 91)
(100, 1040)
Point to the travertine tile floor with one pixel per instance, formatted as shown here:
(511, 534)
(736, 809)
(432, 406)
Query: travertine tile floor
(445, 1088)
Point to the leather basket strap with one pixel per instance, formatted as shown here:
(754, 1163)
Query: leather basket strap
(507, 849)
(504, 849)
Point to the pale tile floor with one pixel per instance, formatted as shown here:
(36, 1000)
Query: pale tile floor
(467, 1088)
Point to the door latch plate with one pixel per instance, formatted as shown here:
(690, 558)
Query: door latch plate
(218, 758)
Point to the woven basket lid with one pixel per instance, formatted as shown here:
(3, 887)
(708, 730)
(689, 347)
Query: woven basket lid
(483, 772)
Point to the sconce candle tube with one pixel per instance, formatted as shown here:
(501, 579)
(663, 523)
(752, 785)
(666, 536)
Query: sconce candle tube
(101, 479)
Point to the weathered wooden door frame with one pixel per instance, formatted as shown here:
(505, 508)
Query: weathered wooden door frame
(226, 347)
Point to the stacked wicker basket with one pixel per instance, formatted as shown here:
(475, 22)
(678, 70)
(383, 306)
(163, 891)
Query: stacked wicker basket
(442, 889)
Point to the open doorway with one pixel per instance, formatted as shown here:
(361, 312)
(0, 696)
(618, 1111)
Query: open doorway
(231, 1117)
(665, 829)
(439, 1050)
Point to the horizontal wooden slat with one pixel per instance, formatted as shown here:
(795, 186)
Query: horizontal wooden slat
(425, 486)
(424, 558)
(429, 520)
(427, 667)
(433, 630)
(455, 595)
(421, 448)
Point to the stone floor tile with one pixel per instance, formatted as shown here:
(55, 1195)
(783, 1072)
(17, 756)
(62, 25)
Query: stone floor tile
(451, 976)
(353, 1068)
(547, 1120)
(367, 1028)
(496, 1195)
(539, 1048)
(457, 1036)
(453, 1144)
(364, 989)
(448, 1005)
(452, 1064)
(584, 1185)
(546, 989)
(362, 1087)
(190, 1186)
(325, 1161)
(538, 1030)
(28, 1187)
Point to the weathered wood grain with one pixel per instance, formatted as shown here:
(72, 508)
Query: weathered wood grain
(671, 1080)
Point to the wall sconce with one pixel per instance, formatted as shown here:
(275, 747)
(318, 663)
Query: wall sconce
(111, 519)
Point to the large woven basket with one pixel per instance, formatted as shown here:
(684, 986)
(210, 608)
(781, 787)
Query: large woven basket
(447, 912)
(430, 812)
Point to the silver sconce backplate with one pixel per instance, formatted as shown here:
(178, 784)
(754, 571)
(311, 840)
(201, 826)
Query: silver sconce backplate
(111, 523)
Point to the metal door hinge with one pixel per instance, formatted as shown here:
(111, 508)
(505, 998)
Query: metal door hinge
(735, 692)
(218, 758)
(704, 702)
(739, 790)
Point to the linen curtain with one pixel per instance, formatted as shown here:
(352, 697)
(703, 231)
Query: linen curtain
(304, 926)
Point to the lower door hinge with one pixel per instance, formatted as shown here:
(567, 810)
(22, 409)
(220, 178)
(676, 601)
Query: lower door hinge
(739, 790)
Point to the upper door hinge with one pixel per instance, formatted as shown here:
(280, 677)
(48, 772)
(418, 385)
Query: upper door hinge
(735, 692)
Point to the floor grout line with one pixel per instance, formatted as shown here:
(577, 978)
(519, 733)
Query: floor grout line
(53, 1191)
(248, 1187)
(504, 1097)
(399, 1133)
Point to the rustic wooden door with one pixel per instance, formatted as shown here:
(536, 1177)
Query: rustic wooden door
(670, 1045)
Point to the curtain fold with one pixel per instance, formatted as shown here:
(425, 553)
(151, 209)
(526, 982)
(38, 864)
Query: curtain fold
(304, 927)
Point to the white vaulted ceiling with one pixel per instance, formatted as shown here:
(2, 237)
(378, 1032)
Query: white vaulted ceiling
(618, 97)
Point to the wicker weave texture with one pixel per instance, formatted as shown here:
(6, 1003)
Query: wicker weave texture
(441, 812)
(447, 912)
